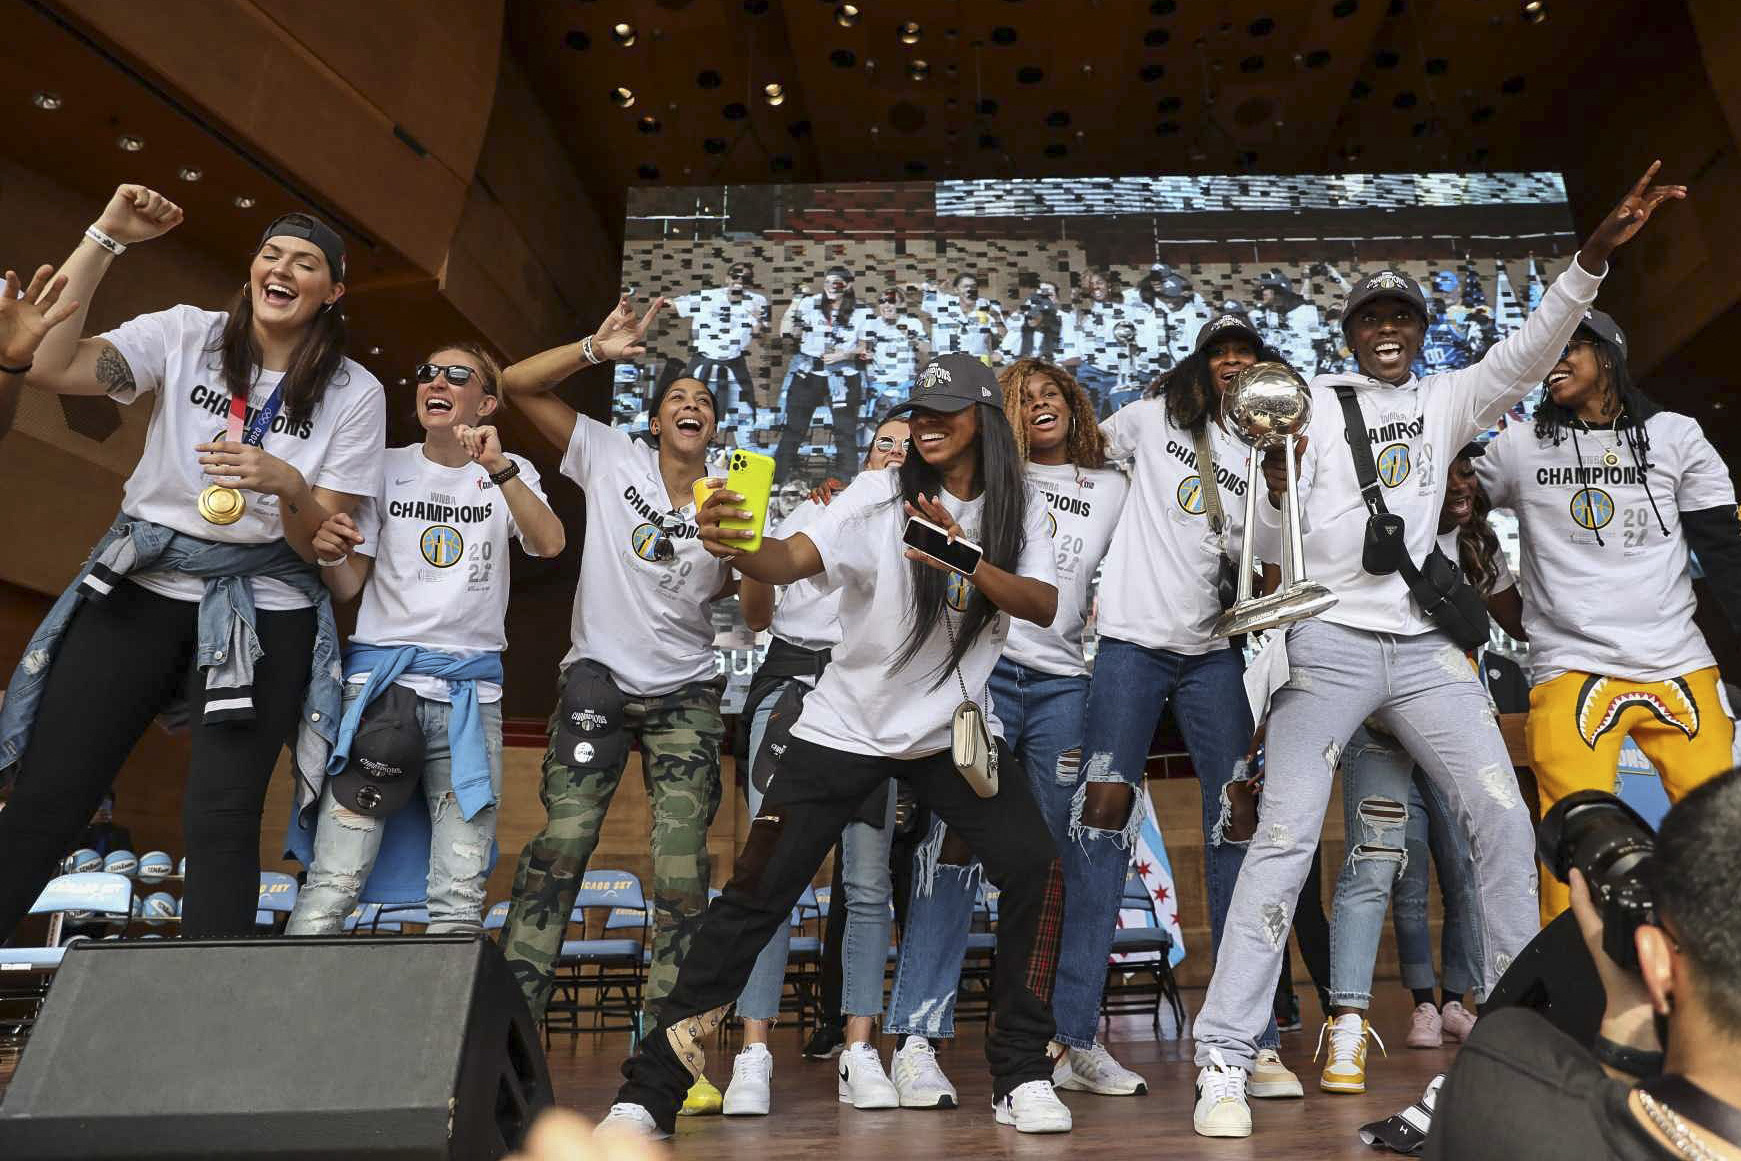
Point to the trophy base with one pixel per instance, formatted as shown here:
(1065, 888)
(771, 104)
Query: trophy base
(1298, 602)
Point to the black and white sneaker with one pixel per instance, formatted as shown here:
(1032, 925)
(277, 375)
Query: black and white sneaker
(825, 1043)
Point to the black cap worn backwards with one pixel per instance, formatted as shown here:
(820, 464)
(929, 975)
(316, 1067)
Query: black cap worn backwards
(311, 229)
(1384, 284)
(953, 383)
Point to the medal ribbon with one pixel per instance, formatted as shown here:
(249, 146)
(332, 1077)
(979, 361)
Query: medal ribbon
(256, 433)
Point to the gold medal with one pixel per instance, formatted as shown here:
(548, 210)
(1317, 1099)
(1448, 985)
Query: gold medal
(221, 505)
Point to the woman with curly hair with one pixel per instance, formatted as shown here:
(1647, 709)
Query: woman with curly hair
(1040, 690)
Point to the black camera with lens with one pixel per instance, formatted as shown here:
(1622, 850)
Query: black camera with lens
(1612, 846)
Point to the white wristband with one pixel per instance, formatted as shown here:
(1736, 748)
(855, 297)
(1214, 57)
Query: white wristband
(104, 240)
(330, 563)
(586, 352)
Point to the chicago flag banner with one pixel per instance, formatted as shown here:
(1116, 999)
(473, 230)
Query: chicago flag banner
(1150, 865)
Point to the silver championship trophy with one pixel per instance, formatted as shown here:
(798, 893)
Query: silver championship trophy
(1269, 406)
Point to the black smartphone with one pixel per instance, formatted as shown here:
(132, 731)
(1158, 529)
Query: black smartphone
(960, 555)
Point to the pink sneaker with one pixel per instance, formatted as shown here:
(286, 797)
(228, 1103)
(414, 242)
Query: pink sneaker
(1425, 1027)
(1458, 1021)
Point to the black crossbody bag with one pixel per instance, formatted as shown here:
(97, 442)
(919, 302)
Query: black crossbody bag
(1438, 585)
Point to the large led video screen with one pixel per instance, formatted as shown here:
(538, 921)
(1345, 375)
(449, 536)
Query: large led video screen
(809, 308)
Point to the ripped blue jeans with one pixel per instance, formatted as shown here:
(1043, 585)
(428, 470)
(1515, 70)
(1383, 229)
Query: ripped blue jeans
(346, 843)
(1393, 817)
(1131, 685)
(1041, 715)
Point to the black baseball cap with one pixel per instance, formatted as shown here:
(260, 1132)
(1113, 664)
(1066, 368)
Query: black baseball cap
(386, 761)
(1228, 325)
(1602, 325)
(952, 383)
(1473, 450)
(310, 229)
(1384, 284)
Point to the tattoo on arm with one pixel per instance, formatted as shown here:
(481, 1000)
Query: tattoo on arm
(112, 370)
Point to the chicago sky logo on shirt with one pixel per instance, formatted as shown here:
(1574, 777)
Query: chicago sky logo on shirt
(1190, 495)
(442, 545)
(958, 592)
(1394, 464)
(1592, 508)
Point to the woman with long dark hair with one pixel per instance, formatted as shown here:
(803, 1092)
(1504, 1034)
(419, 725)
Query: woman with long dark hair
(1159, 598)
(1612, 494)
(1040, 335)
(918, 641)
(1040, 687)
(262, 429)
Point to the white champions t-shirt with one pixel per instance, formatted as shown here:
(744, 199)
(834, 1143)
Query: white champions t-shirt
(1157, 589)
(649, 623)
(1622, 607)
(861, 704)
(338, 447)
(723, 325)
(1082, 507)
(439, 537)
(1415, 429)
(821, 332)
(807, 612)
(894, 355)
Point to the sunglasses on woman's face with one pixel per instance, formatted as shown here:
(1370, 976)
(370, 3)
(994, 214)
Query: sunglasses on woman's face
(1573, 344)
(888, 443)
(458, 374)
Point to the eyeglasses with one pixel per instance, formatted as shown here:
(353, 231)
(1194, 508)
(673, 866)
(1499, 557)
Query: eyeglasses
(664, 551)
(1570, 343)
(888, 443)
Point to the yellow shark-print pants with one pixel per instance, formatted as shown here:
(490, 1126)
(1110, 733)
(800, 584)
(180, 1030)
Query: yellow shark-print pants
(1578, 720)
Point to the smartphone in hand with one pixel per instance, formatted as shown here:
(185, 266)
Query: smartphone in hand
(961, 555)
(750, 475)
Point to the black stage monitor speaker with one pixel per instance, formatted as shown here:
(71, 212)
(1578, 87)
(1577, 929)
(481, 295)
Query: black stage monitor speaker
(290, 1049)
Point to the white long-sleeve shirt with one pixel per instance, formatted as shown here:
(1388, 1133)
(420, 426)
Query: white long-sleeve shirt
(1416, 429)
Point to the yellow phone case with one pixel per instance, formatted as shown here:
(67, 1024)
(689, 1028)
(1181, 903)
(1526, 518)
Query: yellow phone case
(750, 475)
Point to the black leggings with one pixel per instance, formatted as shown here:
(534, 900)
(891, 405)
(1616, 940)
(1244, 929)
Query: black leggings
(122, 659)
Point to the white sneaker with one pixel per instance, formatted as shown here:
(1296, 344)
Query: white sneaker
(918, 1077)
(1033, 1108)
(863, 1083)
(1270, 1078)
(752, 1077)
(1221, 1109)
(1094, 1070)
(631, 1121)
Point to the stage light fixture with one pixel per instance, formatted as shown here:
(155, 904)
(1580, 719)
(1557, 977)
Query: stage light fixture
(910, 33)
(846, 15)
(46, 101)
(130, 143)
(243, 202)
(190, 173)
(623, 34)
(375, 351)
(919, 70)
(622, 98)
(649, 124)
(775, 92)
(1535, 11)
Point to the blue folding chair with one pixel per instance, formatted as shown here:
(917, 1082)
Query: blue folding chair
(99, 897)
(1141, 985)
(277, 900)
(611, 968)
(496, 917)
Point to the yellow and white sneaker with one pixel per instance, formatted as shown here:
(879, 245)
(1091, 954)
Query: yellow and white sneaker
(1345, 1067)
(704, 1100)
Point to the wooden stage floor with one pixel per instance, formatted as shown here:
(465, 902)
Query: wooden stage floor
(807, 1116)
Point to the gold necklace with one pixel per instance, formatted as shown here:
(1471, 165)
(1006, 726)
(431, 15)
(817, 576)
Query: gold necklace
(1610, 454)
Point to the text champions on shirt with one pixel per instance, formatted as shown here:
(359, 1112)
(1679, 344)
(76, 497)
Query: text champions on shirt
(1223, 474)
(654, 516)
(217, 402)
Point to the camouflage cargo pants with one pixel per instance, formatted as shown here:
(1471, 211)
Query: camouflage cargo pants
(679, 734)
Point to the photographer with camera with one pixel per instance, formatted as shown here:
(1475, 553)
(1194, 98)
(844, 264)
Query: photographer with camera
(1660, 1079)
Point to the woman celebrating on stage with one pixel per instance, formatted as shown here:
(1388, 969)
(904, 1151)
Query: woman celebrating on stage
(1040, 689)
(640, 666)
(1611, 493)
(262, 428)
(918, 643)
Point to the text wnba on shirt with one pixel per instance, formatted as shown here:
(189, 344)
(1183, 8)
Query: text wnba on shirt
(218, 403)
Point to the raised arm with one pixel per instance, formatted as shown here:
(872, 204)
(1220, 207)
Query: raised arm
(65, 363)
(776, 562)
(529, 382)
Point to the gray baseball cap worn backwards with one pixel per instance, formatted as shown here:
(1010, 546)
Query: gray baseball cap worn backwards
(953, 383)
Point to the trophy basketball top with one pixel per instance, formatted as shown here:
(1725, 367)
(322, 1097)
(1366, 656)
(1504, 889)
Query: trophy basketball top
(1267, 403)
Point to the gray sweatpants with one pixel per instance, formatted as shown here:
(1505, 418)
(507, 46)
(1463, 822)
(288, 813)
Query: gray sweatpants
(1424, 692)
